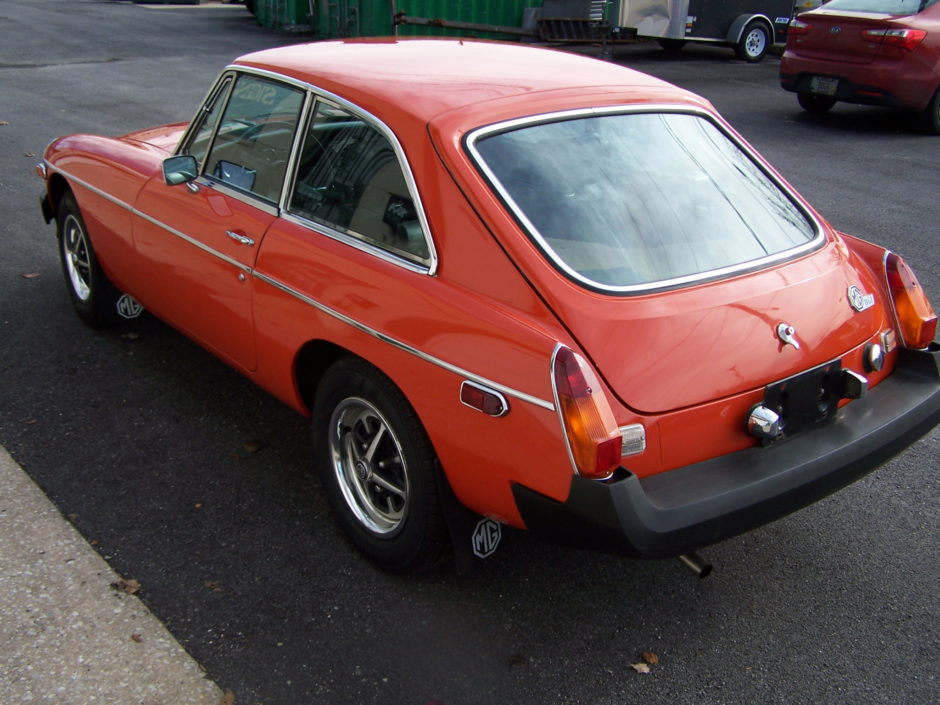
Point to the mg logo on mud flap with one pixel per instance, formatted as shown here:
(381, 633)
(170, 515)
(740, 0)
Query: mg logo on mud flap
(127, 307)
(486, 538)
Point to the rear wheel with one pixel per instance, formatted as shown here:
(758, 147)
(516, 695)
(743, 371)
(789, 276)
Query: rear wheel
(816, 104)
(378, 468)
(930, 118)
(754, 42)
(93, 295)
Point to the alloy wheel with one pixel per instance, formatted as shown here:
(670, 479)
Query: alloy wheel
(370, 466)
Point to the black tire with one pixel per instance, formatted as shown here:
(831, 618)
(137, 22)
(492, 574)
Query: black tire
(930, 118)
(378, 468)
(754, 42)
(93, 295)
(250, 6)
(672, 46)
(816, 104)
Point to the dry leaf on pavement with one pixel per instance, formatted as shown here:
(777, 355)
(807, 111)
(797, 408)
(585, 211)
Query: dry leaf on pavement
(131, 587)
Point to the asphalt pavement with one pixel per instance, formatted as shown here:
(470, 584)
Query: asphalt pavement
(194, 487)
(72, 630)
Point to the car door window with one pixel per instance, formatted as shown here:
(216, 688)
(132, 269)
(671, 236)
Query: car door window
(349, 178)
(253, 142)
(207, 119)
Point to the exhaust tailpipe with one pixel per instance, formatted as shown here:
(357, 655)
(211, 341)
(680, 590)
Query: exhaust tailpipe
(697, 564)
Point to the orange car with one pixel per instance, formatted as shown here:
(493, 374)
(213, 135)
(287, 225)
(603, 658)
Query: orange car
(511, 284)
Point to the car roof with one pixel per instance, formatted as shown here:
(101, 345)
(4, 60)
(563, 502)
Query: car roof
(424, 78)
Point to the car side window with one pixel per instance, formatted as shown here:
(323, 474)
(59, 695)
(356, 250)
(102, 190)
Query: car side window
(253, 142)
(349, 178)
(207, 120)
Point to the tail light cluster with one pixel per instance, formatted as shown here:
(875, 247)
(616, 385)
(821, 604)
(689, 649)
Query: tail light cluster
(593, 437)
(906, 39)
(799, 28)
(917, 322)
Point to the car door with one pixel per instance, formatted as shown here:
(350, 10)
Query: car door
(198, 241)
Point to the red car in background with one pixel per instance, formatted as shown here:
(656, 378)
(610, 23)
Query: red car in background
(874, 52)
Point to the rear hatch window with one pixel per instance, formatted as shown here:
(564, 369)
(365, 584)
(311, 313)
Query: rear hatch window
(629, 202)
(888, 7)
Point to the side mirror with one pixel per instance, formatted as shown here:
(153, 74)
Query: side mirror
(180, 169)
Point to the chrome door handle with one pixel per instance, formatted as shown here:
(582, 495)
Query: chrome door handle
(241, 239)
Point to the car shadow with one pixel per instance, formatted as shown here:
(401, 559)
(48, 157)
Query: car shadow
(863, 120)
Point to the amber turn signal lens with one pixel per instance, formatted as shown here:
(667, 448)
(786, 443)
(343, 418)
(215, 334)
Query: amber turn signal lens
(917, 322)
(588, 422)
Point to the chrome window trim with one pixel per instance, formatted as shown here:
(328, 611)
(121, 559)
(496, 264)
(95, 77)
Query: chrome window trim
(475, 135)
(394, 342)
(460, 371)
(226, 75)
(262, 204)
(210, 181)
(430, 268)
(306, 113)
(354, 242)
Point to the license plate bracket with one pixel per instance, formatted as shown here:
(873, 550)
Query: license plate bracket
(806, 399)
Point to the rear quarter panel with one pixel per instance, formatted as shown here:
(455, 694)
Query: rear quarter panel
(476, 317)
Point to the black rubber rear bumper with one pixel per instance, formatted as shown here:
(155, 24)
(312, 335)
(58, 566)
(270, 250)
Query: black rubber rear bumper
(687, 508)
(847, 91)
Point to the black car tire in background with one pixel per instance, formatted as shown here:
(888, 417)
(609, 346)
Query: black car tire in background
(378, 468)
(930, 118)
(93, 295)
(816, 104)
(250, 6)
(754, 42)
(671, 45)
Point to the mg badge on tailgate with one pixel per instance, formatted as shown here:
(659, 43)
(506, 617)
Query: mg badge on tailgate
(859, 300)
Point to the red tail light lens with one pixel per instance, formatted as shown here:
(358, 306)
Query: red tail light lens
(798, 28)
(917, 322)
(586, 417)
(906, 39)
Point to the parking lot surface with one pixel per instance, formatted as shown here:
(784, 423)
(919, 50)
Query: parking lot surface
(198, 485)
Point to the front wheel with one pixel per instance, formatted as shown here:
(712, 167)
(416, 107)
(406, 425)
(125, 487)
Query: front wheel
(754, 42)
(378, 468)
(93, 295)
(816, 104)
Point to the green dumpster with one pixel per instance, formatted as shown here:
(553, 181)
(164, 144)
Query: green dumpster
(283, 14)
(375, 18)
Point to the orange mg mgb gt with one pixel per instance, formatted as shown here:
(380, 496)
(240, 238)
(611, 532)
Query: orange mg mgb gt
(511, 284)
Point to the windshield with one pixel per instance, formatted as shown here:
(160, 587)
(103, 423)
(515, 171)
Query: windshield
(629, 201)
(890, 7)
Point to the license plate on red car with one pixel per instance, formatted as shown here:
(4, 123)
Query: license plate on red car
(824, 85)
(807, 398)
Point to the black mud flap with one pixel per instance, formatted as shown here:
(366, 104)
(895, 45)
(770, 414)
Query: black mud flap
(474, 537)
